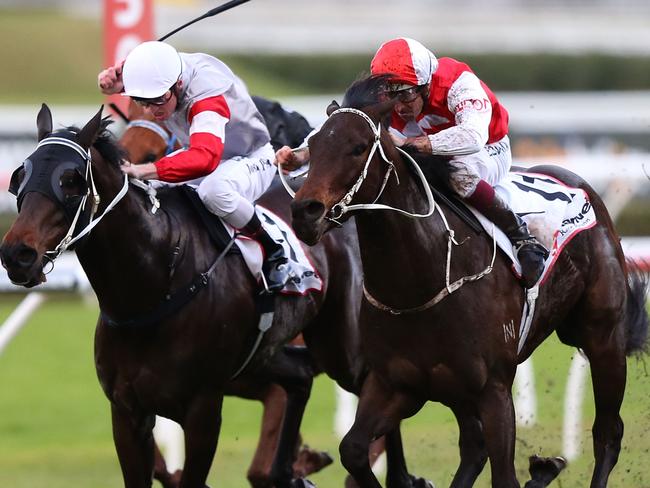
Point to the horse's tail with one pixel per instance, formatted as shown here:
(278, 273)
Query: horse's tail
(637, 319)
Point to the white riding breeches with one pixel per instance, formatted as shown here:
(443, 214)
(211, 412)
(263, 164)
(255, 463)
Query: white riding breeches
(491, 164)
(230, 190)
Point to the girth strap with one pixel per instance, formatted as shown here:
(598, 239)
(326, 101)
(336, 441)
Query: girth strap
(173, 302)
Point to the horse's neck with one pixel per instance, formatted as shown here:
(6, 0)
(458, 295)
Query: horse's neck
(400, 252)
(128, 253)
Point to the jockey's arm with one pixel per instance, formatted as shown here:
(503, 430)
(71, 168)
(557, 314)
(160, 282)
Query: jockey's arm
(110, 80)
(292, 159)
(208, 119)
(472, 110)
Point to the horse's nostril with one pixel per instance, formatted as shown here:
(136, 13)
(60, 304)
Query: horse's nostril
(26, 256)
(308, 210)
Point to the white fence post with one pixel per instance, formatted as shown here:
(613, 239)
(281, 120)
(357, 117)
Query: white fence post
(19, 317)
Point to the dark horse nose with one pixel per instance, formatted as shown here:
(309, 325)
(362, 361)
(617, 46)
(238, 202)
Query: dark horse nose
(17, 256)
(307, 211)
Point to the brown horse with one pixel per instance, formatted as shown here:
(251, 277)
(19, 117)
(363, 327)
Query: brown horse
(426, 342)
(178, 318)
(145, 140)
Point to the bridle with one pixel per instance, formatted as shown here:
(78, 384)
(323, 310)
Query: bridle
(168, 138)
(343, 206)
(82, 163)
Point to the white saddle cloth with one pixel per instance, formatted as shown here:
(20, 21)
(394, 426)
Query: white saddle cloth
(303, 277)
(554, 212)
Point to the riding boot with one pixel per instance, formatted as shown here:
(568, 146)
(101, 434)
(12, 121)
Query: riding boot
(530, 252)
(274, 267)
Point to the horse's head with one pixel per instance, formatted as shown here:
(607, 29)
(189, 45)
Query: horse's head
(144, 139)
(51, 187)
(349, 160)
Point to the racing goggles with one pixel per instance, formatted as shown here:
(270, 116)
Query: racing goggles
(404, 95)
(156, 102)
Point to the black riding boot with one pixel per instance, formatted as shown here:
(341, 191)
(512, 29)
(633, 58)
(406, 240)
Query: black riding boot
(530, 252)
(274, 267)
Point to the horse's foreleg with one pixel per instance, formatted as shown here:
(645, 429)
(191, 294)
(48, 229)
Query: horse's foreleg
(201, 425)
(292, 369)
(379, 412)
(259, 472)
(473, 454)
(397, 475)
(160, 472)
(134, 444)
(497, 415)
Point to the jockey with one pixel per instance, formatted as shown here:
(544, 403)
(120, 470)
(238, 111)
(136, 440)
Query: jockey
(443, 108)
(228, 156)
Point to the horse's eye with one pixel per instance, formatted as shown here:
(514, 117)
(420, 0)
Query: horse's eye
(71, 183)
(359, 149)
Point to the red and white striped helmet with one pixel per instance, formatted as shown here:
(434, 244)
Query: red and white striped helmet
(408, 61)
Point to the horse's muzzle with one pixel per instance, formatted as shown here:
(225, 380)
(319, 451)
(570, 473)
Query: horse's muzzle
(307, 220)
(22, 263)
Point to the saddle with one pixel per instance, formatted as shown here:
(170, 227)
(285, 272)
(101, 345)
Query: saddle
(214, 225)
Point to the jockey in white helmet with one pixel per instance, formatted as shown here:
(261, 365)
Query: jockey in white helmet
(443, 108)
(228, 154)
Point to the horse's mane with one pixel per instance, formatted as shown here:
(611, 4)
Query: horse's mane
(366, 92)
(105, 143)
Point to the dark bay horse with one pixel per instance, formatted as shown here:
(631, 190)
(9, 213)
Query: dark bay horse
(180, 364)
(145, 140)
(425, 343)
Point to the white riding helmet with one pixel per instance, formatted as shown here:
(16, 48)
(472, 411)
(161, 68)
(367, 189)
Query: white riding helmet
(407, 61)
(151, 69)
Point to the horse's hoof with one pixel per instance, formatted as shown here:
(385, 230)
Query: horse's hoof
(302, 483)
(310, 461)
(421, 483)
(350, 483)
(543, 469)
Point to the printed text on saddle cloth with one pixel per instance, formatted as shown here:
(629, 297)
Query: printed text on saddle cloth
(554, 212)
(303, 277)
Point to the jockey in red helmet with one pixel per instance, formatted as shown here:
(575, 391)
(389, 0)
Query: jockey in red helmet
(443, 108)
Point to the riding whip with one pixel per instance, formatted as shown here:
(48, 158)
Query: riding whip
(210, 13)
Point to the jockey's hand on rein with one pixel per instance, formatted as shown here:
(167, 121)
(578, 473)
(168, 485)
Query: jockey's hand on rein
(290, 159)
(146, 171)
(421, 143)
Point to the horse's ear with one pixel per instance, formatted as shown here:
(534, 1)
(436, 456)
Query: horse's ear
(44, 122)
(89, 133)
(333, 107)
